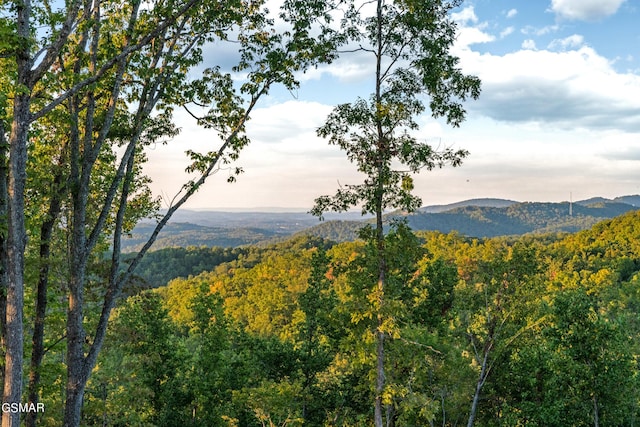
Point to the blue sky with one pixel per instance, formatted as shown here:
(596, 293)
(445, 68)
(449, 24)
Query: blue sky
(559, 114)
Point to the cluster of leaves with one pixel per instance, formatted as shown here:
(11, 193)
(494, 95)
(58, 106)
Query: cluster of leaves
(548, 327)
(85, 89)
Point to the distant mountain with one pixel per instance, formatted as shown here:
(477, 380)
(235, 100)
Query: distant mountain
(286, 222)
(498, 217)
(226, 229)
(337, 231)
(477, 218)
(630, 200)
(518, 218)
(593, 201)
(176, 235)
(484, 203)
(633, 200)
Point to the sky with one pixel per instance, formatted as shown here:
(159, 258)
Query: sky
(558, 117)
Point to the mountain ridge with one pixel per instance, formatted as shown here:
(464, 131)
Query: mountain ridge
(479, 202)
(481, 217)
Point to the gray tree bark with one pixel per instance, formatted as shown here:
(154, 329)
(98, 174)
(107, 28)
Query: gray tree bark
(17, 235)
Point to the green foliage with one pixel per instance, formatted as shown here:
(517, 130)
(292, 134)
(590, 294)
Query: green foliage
(138, 380)
(181, 235)
(91, 87)
(593, 351)
(410, 44)
(411, 47)
(337, 231)
(160, 267)
(284, 335)
(516, 219)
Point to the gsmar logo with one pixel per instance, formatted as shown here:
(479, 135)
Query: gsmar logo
(22, 407)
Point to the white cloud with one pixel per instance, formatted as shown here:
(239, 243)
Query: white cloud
(507, 31)
(547, 122)
(285, 164)
(526, 162)
(511, 13)
(571, 42)
(274, 125)
(585, 10)
(350, 67)
(470, 31)
(630, 153)
(567, 90)
(465, 16)
(472, 35)
(529, 29)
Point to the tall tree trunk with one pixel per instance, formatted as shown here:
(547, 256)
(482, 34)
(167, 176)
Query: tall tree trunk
(4, 196)
(17, 235)
(76, 381)
(379, 192)
(380, 334)
(37, 350)
(380, 376)
(80, 159)
(15, 258)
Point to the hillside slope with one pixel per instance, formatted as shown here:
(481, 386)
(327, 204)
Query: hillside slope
(475, 218)
(491, 221)
(519, 218)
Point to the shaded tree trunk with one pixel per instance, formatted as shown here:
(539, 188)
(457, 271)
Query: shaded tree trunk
(4, 178)
(382, 262)
(16, 243)
(37, 340)
(17, 235)
(26, 76)
(380, 334)
(380, 376)
(482, 378)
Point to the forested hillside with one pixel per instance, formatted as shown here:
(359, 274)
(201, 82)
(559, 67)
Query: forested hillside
(117, 310)
(474, 218)
(533, 330)
(178, 235)
(518, 218)
(159, 267)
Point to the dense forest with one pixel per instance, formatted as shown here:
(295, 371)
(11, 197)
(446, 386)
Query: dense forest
(382, 325)
(537, 331)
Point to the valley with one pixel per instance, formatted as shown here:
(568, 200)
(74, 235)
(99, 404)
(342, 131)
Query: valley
(483, 217)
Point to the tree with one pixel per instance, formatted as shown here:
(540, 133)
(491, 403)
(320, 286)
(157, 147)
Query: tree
(495, 306)
(594, 352)
(140, 376)
(314, 345)
(115, 72)
(410, 42)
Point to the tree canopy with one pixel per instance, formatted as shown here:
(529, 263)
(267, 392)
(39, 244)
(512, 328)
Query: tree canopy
(87, 87)
(286, 337)
(410, 46)
(392, 328)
